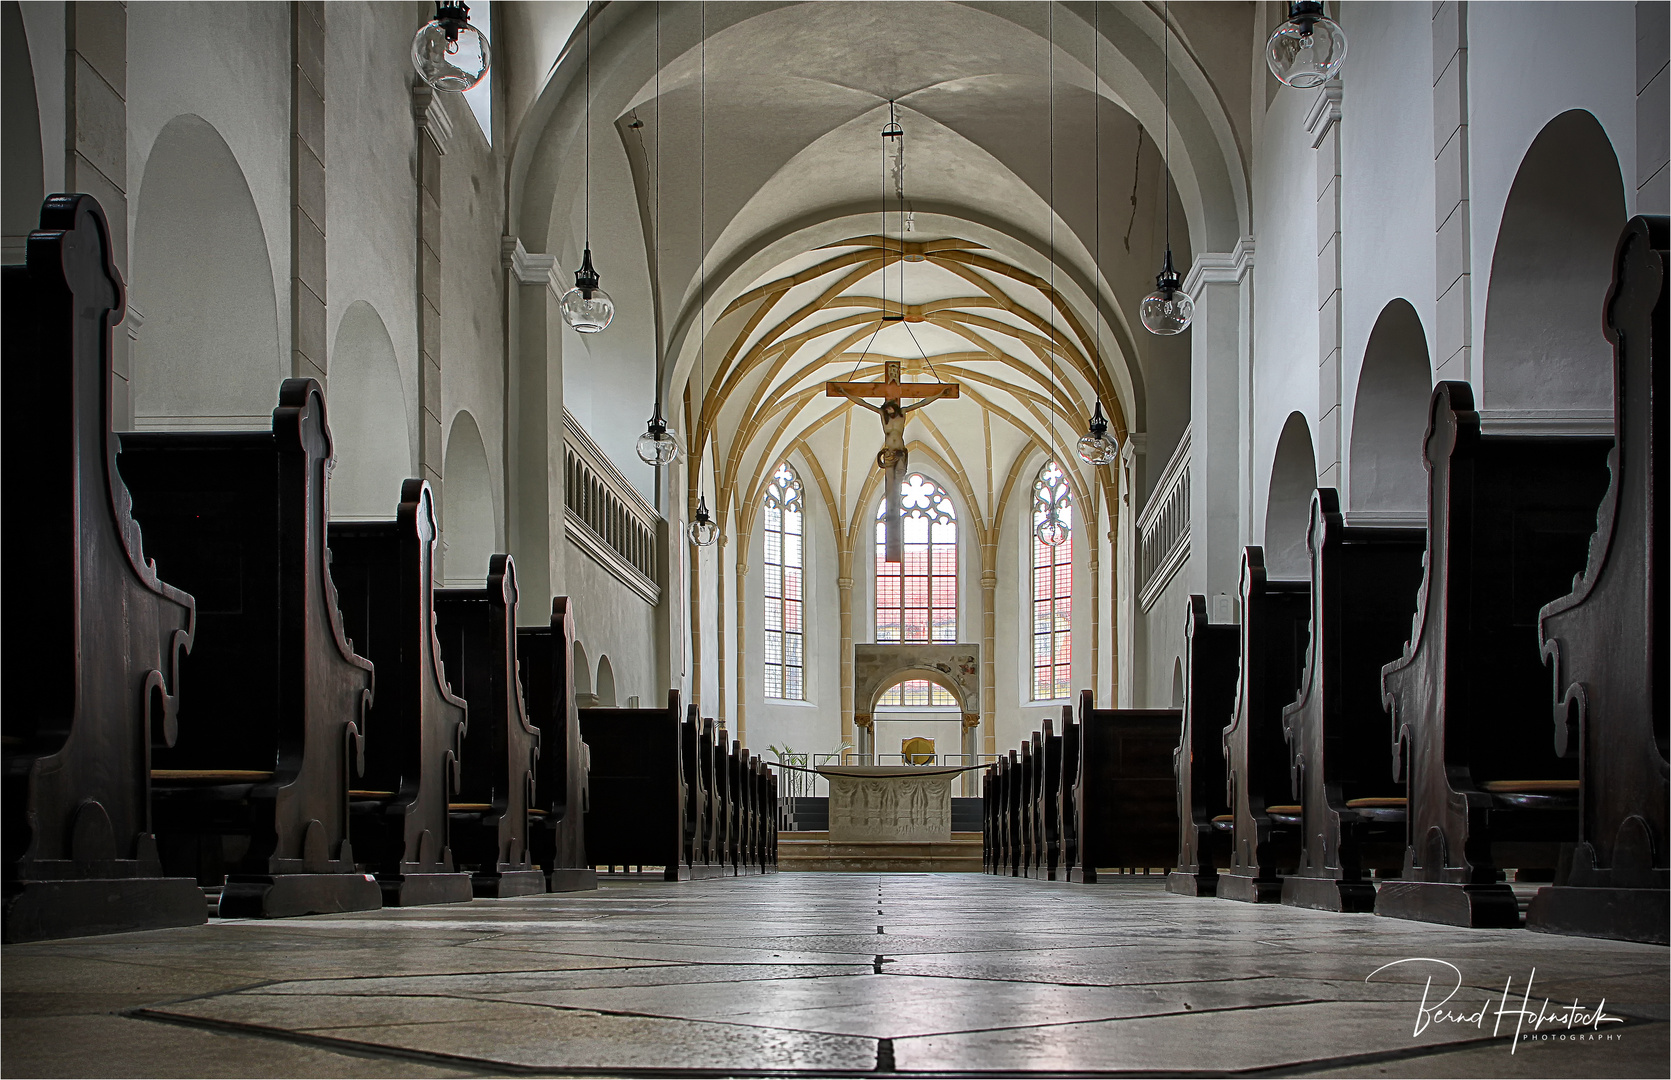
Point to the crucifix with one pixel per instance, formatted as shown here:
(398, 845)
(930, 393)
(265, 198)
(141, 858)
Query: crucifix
(892, 458)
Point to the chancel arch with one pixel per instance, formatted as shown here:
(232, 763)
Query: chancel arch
(1545, 362)
(369, 426)
(1288, 504)
(1386, 480)
(208, 352)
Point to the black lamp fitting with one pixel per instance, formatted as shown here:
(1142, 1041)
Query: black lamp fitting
(1305, 12)
(1099, 423)
(452, 17)
(1167, 280)
(586, 278)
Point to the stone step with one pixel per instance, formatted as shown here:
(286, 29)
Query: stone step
(815, 852)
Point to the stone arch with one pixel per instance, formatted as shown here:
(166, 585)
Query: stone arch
(877, 668)
(1543, 352)
(581, 668)
(23, 187)
(1288, 501)
(1389, 416)
(468, 523)
(605, 683)
(1178, 683)
(208, 352)
(368, 417)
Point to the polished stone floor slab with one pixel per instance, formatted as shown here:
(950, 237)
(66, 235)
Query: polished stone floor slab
(831, 975)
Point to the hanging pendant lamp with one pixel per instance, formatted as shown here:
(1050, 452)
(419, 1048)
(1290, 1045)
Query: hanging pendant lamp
(448, 52)
(587, 308)
(658, 445)
(1307, 50)
(1096, 446)
(703, 530)
(1169, 309)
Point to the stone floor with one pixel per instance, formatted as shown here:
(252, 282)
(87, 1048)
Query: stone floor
(827, 974)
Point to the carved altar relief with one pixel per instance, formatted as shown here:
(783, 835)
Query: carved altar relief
(890, 804)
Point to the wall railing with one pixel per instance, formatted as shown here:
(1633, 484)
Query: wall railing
(605, 517)
(1163, 527)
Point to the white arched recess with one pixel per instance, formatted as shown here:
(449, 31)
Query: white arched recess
(369, 427)
(468, 523)
(202, 294)
(1288, 502)
(606, 683)
(1386, 480)
(23, 187)
(1545, 363)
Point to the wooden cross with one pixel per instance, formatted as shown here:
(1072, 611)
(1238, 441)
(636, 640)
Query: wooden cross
(893, 457)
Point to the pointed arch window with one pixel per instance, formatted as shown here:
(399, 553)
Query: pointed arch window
(916, 598)
(785, 586)
(1052, 589)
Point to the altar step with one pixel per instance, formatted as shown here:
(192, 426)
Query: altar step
(813, 851)
(810, 814)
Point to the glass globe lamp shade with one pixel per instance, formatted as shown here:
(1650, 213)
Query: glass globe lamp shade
(1097, 446)
(1169, 309)
(1306, 51)
(448, 52)
(1051, 530)
(586, 307)
(658, 446)
(703, 530)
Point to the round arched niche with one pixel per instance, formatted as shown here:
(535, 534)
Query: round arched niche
(581, 669)
(467, 520)
(208, 351)
(368, 418)
(1288, 504)
(606, 683)
(1389, 416)
(1178, 683)
(23, 186)
(1544, 353)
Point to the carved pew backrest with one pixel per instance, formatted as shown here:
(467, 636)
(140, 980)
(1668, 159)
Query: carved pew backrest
(637, 786)
(1128, 811)
(545, 658)
(1212, 654)
(94, 637)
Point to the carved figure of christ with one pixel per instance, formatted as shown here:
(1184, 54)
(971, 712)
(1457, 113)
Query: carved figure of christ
(892, 458)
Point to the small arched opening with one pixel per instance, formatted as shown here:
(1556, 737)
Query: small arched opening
(1288, 503)
(1385, 475)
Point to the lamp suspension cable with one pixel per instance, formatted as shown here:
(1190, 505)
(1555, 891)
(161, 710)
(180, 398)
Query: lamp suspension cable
(1096, 447)
(703, 530)
(1169, 309)
(587, 308)
(658, 446)
(1051, 529)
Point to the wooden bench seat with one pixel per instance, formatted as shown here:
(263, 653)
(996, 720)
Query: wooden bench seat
(1211, 655)
(1509, 520)
(1126, 791)
(402, 833)
(94, 637)
(240, 518)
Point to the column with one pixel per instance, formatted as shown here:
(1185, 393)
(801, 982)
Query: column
(1323, 122)
(1453, 330)
(534, 451)
(989, 650)
(307, 189)
(435, 130)
(1653, 107)
(844, 591)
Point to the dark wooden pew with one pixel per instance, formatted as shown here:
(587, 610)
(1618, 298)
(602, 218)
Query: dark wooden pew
(1606, 639)
(720, 803)
(254, 794)
(1212, 654)
(1508, 523)
(1047, 753)
(1363, 592)
(490, 811)
(1012, 814)
(1128, 815)
(1027, 785)
(399, 821)
(1067, 810)
(1259, 790)
(637, 809)
(696, 789)
(557, 825)
(989, 829)
(93, 637)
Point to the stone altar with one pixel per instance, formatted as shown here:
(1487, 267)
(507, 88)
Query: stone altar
(898, 803)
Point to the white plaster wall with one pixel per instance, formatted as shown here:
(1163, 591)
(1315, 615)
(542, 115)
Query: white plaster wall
(371, 199)
(1387, 178)
(1165, 624)
(43, 24)
(1527, 64)
(229, 64)
(611, 620)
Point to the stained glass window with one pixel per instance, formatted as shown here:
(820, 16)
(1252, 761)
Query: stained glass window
(1052, 589)
(916, 598)
(785, 589)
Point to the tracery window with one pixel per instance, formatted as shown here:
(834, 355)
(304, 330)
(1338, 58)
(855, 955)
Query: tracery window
(916, 598)
(784, 585)
(1052, 589)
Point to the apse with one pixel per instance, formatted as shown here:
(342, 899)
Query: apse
(209, 352)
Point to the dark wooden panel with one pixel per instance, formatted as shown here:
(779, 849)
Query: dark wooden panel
(1128, 813)
(271, 685)
(696, 787)
(1275, 617)
(636, 817)
(489, 813)
(1212, 655)
(1509, 521)
(1607, 642)
(94, 637)
(1363, 592)
(384, 574)
(1067, 811)
(557, 833)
